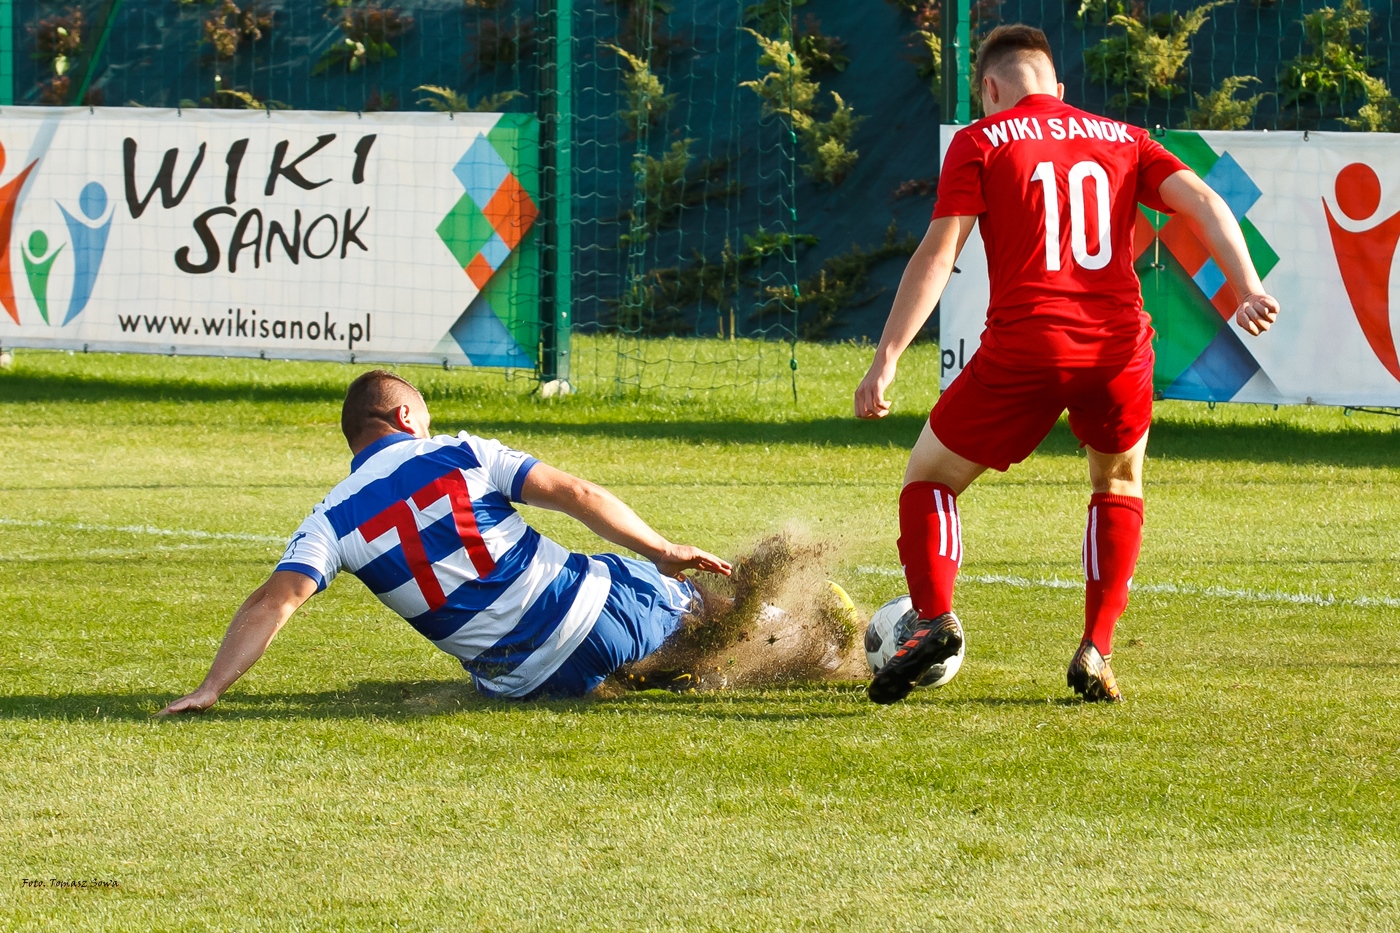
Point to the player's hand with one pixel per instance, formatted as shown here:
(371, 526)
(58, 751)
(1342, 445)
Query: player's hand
(196, 702)
(683, 557)
(1257, 313)
(870, 394)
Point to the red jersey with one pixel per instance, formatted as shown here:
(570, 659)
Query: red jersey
(1055, 191)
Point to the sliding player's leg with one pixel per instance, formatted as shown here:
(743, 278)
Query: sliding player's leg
(643, 608)
(673, 666)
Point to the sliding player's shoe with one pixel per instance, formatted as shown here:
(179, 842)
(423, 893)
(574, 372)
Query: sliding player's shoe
(1090, 676)
(672, 680)
(931, 642)
(842, 614)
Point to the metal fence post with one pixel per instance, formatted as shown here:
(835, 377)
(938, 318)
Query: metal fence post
(7, 52)
(89, 68)
(957, 47)
(557, 179)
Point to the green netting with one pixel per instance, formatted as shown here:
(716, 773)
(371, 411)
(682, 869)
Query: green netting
(1212, 64)
(684, 203)
(355, 55)
(680, 192)
(712, 203)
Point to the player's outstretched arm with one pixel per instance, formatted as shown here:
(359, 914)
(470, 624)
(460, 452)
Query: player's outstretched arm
(255, 623)
(609, 518)
(1185, 193)
(919, 290)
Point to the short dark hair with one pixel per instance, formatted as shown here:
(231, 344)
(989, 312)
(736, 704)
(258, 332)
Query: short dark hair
(1007, 41)
(373, 396)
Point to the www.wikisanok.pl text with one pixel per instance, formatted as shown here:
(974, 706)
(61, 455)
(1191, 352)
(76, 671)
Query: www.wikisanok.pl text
(252, 326)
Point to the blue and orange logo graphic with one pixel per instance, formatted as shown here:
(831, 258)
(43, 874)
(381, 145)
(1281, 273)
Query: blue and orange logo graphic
(1199, 356)
(487, 233)
(1364, 257)
(489, 221)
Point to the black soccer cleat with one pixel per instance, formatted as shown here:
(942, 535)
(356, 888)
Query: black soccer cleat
(1090, 676)
(931, 642)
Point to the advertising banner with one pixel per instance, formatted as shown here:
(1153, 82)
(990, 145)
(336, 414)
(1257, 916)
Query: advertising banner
(295, 235)
(1321, 216)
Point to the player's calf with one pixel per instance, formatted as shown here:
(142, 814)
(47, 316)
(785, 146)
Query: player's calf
(1112, 541)
(930, 545)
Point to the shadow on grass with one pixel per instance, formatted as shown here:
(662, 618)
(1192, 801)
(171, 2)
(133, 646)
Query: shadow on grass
(400, 700)
(367, 699)
(29, 386)
(1267, 441)
(38, 386)
(1002, 702)
(895, 431)
(752, 704)
(1263, 442)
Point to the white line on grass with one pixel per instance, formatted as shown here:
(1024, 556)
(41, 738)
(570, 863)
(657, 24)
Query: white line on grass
(79, 554)
(989, 579)
(1172, 589)
(145, 530)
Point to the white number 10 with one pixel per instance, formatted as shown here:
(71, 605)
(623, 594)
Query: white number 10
(1045, 174)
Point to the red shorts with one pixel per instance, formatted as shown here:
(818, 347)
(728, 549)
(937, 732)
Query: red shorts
(996, 415)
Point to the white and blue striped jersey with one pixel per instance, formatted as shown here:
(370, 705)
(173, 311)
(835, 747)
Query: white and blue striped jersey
(428, 526)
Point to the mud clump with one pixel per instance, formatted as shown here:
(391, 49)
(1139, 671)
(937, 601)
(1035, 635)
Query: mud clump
(775, 620)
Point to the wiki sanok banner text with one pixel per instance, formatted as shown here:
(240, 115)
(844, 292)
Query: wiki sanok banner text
(1321, 217)
(395, 237)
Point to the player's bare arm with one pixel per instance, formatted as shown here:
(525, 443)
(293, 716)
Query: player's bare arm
(1191, 197)
(254, 625)
(613, 520)
(919, 291)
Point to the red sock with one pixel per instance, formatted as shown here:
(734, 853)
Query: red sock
(930, 546)
(1111, 544)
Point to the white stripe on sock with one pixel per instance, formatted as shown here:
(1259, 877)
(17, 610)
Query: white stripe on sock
(1094, 542)
(1084, 551)
(957, 533)
(942, 524)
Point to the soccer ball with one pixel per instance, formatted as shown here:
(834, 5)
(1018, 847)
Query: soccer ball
(890, 627)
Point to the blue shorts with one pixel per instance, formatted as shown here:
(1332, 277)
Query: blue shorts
(642, 610)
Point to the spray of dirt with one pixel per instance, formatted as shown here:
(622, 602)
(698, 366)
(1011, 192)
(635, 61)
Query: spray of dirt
(776, 620)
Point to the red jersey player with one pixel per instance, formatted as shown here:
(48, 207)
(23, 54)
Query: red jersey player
(1055, 190)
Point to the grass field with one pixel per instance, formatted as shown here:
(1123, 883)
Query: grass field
(353, 781)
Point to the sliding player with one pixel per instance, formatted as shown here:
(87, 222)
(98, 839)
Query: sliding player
(1056, 192)
(427, 524)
